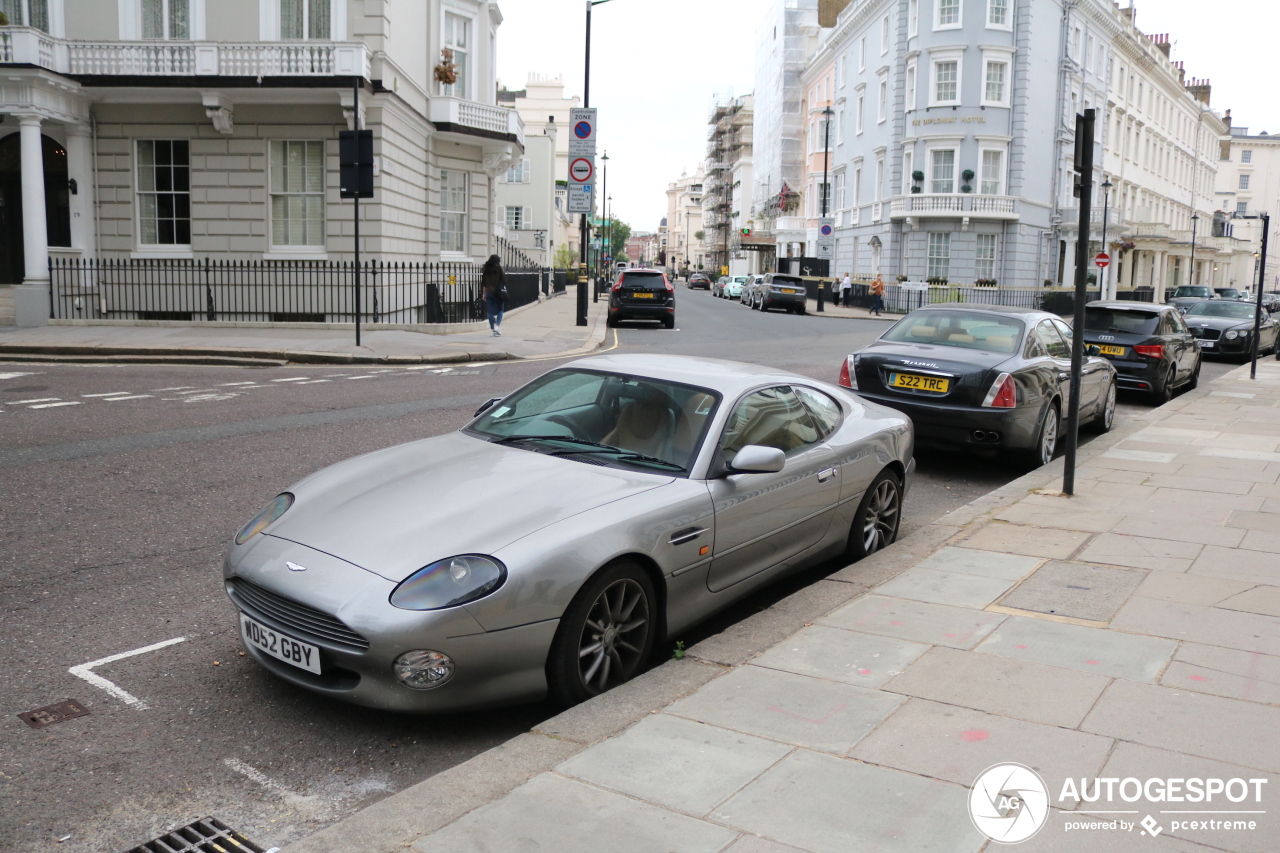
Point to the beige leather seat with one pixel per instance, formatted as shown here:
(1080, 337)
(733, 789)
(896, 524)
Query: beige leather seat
(644, 426)
(926, 332)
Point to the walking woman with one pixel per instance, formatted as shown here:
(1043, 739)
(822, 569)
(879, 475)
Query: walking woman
(877, 291)
(493, 281)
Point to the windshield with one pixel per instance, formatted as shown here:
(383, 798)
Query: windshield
(1227, 292)
(644, 280)
(739, 279)
(605, 419)
(1120, 320)
(1186, 291)
(786, 281)
(1235, 310)
(966, 329)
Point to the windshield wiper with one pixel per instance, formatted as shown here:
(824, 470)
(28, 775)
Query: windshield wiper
(565, 438)
(624, 455)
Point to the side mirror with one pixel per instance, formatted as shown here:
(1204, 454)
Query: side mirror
(1094, 349)
(757, 459)
(485, 406)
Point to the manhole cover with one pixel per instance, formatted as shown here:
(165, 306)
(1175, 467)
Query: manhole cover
(48, 715)
(1075, 589)
(204, 836)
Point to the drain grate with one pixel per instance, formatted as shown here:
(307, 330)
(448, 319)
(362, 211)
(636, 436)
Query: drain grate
(204, 836)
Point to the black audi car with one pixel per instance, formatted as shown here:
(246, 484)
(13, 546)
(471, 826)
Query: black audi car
(1225, 327)
(984, 378)
(1149, 345)
(642, 295)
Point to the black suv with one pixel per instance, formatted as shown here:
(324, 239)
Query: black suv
(1150, 346)
(699, 279)
(642, 295)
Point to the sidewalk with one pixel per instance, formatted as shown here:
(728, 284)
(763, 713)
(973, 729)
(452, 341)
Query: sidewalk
(1129, 631)
(830, 309)
(537, 330)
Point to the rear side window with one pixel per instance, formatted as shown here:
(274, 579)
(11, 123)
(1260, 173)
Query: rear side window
(643, 281)
(772, 417)
(1120, 320)
(824, 411)
(1053, 342)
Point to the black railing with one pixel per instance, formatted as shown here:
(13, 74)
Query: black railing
(903, 300)
(275, 291)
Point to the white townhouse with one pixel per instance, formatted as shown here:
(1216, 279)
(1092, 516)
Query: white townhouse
(1248, 186)
(197, 128)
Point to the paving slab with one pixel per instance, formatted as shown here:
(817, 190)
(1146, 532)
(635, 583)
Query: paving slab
(1238, 564)
(918, 621)
(1266, 490)
(1238, 441)
(1097, 650)
(1267, 522)
(1240, 470)
(970, 560)
(1027, 691)
(1249, 676)
(1258, 540)
(681, 764)
(954, 588)
(756, 844)
(833, 805)
(1127, 491)
(797, 709)
(1179, 530)
(1049, 516)
(553, 813)
(956, 744)
(1264, 600)
(1114, 475)
(1131, 760)
(1078, 590)
(1139, 455)
(1210, 625)
(1182, 721)
(1189, 589)
(1140, 552)
(1028, 541)
(853, 657)
(1200, 483)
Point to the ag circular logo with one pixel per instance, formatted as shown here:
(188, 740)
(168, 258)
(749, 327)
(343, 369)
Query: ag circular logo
(1008, 803)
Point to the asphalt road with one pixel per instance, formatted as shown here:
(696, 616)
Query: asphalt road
(119, 488)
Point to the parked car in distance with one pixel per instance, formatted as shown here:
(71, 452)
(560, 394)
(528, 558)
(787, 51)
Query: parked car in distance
(1230, 293)
(1271, 300)
(744, 295)
(572, 527)
(699, 280)
(733, 286)
(718, 285)
(984, 378)
(778, 290)
(642, 295)
(1225, 327)
(1150, 346)
(1184, 296)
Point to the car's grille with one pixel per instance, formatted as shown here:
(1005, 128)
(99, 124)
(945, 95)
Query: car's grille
(1207, 334)
(303, 619)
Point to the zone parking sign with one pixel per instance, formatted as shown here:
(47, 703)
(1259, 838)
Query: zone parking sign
(582, 133)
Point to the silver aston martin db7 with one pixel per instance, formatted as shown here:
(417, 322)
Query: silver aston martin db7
(551, 542)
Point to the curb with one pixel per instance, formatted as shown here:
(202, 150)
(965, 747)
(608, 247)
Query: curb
(394, 823)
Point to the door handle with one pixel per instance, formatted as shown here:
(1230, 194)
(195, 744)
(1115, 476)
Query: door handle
(687, 535)
(1062, 376)
(826, 474)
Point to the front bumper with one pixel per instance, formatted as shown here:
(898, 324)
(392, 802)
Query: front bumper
(1222, 346)
(957, 426)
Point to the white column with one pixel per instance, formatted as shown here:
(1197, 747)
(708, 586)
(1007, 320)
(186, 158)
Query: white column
(31, 298)
(1158, 277)
(1069, 265)
(84, 234)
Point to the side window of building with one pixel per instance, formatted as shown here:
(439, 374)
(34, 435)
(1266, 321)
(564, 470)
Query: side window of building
(457, 38)
(297, 193)
(164, 192)
(304, 19)
(27, 13)
(453, 211)
(162, 19)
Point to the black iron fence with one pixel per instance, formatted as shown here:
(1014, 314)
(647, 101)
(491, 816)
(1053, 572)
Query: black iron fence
(276, 291)
(902, 300)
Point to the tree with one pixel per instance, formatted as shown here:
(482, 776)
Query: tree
(619, 233)
(699, 235)
(565, 257)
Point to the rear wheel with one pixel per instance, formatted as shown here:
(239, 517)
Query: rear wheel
(669, 323)
(1194, 381)
(1106, 418)
(605, 635)
(611, 323)
(801, 310)
(875, 526)
(1047, 441)
(1163, 393)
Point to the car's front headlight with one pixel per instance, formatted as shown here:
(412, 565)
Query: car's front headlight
(262, 520)
(449, 582)
(1233, 334)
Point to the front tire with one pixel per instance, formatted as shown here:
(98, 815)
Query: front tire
(605, 635)
(875, 525)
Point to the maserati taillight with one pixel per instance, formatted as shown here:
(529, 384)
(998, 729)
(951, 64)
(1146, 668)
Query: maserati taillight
(1003, 393)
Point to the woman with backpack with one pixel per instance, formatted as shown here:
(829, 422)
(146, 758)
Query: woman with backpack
(493, 283)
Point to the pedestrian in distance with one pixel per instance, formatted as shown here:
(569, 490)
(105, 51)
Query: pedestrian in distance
(493, 283)
(877, 291)
(846, 291)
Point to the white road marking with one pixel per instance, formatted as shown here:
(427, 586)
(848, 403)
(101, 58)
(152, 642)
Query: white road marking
(252, 773)
(85, 671)
(175, 388)
(35, 400)
(199, 391)
(293, 379)
(54, 405)
(315, 381)
(12, 375)
(204, 398)
(230, 384)
(109, 394)
(130, 397)
(369, 376)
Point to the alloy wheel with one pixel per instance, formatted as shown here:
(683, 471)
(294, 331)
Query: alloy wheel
(614, 636)
(1049, 436)
(1109, 408)
(881, 519)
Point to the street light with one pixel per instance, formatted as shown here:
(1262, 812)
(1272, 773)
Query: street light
(1191, 276)
(1106, 272)
(604, 160)
(582, 225)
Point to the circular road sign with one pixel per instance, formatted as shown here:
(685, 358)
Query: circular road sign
(826, 230)
(1102, 259)
(582, 129)
(581, 170)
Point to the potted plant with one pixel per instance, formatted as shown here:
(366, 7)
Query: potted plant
(967, 174)
(917, 176)
(901, 278)
(966, 189)
(985, 282)
(936, 280)
(916, 189)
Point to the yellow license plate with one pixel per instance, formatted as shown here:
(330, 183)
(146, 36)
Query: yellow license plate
(919, 383)
(642, 295)
(1112, 350)
(787, 290)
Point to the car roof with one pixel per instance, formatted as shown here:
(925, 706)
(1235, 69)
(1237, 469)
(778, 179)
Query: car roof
(1129, 306)
(728, 377)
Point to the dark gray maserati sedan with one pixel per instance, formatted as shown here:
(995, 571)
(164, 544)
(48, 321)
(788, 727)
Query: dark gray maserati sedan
(549, 544)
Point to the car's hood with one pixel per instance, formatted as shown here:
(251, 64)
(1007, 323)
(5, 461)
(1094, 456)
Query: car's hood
(1198, 322)
(394, 511)
(934, 356)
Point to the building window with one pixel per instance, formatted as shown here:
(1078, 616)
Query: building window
(862, 54)
(995, 79)
(884, 36)
(946, 82)
(840, 71)
(911, 87)
(857, 185)
(998, 14)
(1242, 207)
(27, 13)
(882, 109)
(303, 19)
(879, 177)
(948, 14)
(908, 161)
(453, 211)
(166, 19)
(840, 126)
(939, 253)
(297, 193)
(1244, 182)
(824, 197)
(457, 37)
(164, 192)
(943, 171)
(862, 102)
(518, 173)
(913, 17)
(840, 191)
(1246, 155)
(517, 218)
(992, 172)
(985, 259)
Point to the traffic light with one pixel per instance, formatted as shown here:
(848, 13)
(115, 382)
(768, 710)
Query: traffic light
(746, 232)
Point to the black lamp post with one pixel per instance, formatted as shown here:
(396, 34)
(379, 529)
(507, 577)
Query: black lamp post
(600, 272)
(1191, 275)
(1106, 272)
(586, 103)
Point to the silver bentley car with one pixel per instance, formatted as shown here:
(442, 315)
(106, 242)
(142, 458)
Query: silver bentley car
(550, 543)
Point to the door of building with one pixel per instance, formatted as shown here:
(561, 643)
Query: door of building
(57, 201)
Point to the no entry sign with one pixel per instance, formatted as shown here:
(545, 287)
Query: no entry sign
(1101, 260)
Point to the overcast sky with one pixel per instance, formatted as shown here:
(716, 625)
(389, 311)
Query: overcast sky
(657, 66)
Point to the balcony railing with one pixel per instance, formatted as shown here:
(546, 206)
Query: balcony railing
(472, 114)
(27, 46)
(952, 205)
